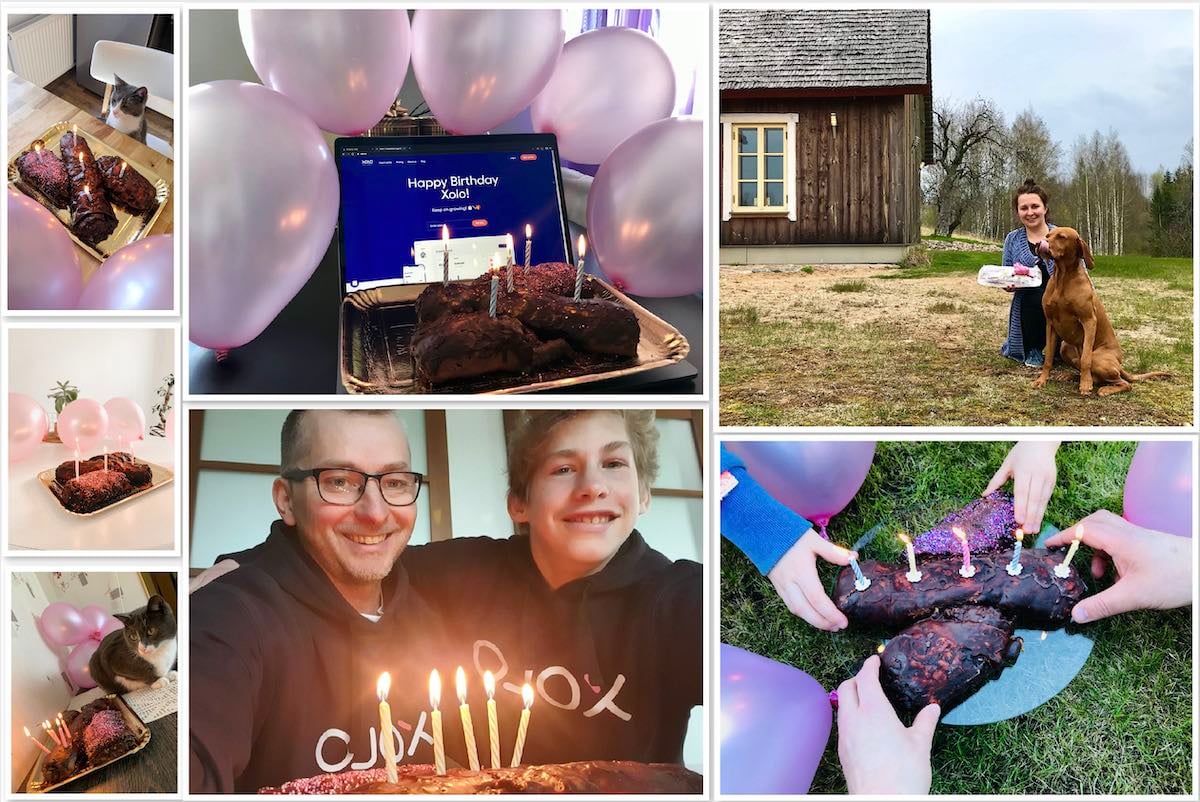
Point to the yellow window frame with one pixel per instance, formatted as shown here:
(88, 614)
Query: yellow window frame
(760, 180)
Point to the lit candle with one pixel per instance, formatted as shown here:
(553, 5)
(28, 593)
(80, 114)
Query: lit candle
(861, 583)
(122, 174)
(523, 727)
(1064, 568)
(913, 574)
(38, 743)
(62, 728)
(460, 684)
(967, 571)
(81, 159)
(74, 131)
(528, 243)
(509, 243)
(37, 148)
(445, 254)
(492, 297)
(1014, 568)
(76, 462)
(87, 191)
(489, 685)
(579, 268)
(435, 722)
(385, 725)
(53, 735)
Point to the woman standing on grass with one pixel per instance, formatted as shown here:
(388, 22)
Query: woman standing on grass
(1026, 339)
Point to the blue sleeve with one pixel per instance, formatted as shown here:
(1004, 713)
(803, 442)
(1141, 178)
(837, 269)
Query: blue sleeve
(1007, 258)
(755, 522)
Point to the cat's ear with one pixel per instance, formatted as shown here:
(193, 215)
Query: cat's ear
(119, 82)
(123, 618)
(156, 604)
(142, 93)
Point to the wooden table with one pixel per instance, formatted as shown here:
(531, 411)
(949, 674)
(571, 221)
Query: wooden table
(155, 769)
(31, 110)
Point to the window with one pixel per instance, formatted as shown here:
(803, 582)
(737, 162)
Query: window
(759, 171)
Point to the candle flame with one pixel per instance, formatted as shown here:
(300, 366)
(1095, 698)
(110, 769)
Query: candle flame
(1043, 635)
(958, 533)
(383, 685)
(528, 231)
(903, 538)
(460, 685)
(880, 649)
(435, 689)
(445, 232)
(1079, 531)
(27, 732)
(527, 695)
(508, 240)
(582, 246)
(1019, 534)
(489, 684)
(37, 147)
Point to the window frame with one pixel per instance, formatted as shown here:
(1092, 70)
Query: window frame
(730, 125)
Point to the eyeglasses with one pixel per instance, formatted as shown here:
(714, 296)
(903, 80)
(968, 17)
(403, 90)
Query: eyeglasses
(345, 486)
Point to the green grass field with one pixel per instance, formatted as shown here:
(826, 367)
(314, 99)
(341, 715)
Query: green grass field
(1122, 726)
(876, 346)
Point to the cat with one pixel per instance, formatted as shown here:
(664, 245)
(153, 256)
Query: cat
(140, 655)
(127, 109)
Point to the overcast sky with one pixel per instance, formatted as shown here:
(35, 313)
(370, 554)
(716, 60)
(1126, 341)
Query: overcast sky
(1086, 70)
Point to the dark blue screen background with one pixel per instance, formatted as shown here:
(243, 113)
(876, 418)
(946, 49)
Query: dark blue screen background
(382, 217)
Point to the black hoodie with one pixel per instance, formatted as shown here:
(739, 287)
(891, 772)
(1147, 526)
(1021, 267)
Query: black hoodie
(283, 670)
(615, 659)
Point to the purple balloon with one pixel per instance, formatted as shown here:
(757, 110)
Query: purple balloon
(645, 211)
(1158, 489)
(343, 68)
(262, 204)
(43, 270)
(816, 478)
(63, 624)
(139, 276)
(775, 723)
(609, 84)
(477, 68)
(26, 426)
(78, 670)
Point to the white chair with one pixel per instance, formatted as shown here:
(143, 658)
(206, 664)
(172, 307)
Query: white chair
(141, 66)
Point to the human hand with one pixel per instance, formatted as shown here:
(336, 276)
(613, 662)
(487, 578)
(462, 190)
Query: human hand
(879, 755)
(1010, 288)
(1154, 569)
(1030, 464)
(796, 581)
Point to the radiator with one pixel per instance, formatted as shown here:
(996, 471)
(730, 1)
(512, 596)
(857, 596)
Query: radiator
(40, 49)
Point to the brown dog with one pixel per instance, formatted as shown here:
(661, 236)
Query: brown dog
(1075, 315)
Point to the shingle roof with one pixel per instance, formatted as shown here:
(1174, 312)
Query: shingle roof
(823, 49)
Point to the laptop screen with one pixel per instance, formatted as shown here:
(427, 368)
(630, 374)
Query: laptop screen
(398, 192)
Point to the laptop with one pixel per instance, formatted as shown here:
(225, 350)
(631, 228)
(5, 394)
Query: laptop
(397, 193)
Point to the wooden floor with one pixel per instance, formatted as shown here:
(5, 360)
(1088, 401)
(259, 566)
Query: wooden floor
(67, 88)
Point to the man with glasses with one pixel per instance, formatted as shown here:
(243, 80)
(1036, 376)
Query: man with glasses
(286, 652)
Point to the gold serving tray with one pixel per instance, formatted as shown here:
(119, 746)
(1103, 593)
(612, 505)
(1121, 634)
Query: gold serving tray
(364, 371)
(37, 785)
(159, 476)
(130, 227)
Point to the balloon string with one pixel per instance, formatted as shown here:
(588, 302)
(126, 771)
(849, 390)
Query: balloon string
(822, 530)
(222, 354)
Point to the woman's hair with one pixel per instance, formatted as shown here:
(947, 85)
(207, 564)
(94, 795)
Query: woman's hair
(533, 427)
(1030, 187)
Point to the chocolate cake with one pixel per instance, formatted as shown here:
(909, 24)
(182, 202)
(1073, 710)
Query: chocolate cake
(41, 169)
(137, 472)
(130, 190)
(1035, 598)
(987, 522)
(94, 490)
(584, 777)
(946, 658)
(92, 216)
(107, 736)
(63, 762)
(454, 298)
(465, 346)
(593, 325)
(551, 278)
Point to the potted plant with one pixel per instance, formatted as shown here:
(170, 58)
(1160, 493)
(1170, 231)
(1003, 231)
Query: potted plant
(62, 394)
(161, 409)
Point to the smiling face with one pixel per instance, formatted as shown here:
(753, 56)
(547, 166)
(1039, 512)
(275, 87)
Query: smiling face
(356, 545)
(584, 496)
(1031, 211)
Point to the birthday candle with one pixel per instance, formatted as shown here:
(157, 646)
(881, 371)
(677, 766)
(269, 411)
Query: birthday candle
(122, 175)
(445, 255)
(62, 729)
(489, 685)
(385, 726)
(579, 268)
(53, 735)
(913, 574)
(1014, 568)
(1064, 568)
(967, 571)
(509, 267)
(435, 721)
(36, 742)
(492, 297)
(528, 243)
(460, 683)
(861, 583)
(523, 726)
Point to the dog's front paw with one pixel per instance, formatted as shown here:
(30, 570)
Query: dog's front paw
(1085, 389)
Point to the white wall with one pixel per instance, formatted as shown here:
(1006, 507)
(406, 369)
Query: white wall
(101, 362)
(478, 482)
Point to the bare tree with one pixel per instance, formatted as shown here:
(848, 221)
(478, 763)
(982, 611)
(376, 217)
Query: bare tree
(961, 135)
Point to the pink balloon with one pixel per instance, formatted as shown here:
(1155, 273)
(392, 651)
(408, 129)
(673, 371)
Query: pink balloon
(478, 68)
(609, 84)
(63, 624)
(83, 424)
(816, 478)
(170, 427)
(26, 426)
(342, 68)
(43, 270)
(78, 669)
(97, 619)
(139, 276)
(645, 211)
(261, 218)
(1158, 488)
(110, 626)
(126, 421)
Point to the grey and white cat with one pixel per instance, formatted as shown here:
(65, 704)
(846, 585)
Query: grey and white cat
(127, 109)
(140, 655)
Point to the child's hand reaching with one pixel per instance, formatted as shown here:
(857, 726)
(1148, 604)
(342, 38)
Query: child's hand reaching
(795, 579)
(1030, 465)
